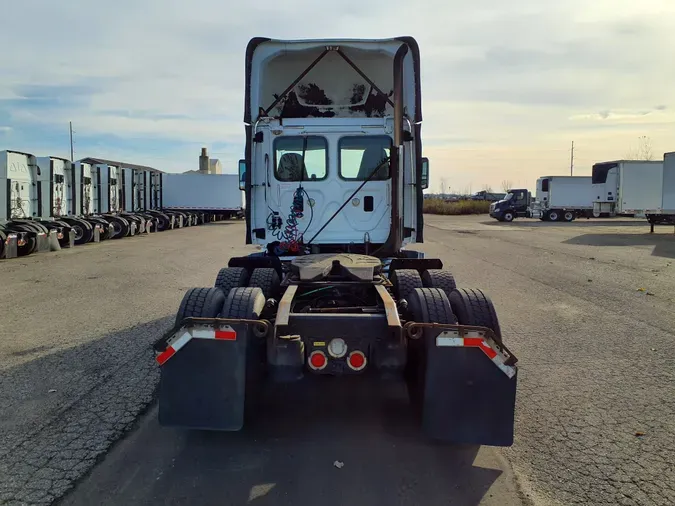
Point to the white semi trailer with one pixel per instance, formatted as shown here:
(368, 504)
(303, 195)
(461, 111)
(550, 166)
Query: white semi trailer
(207, 193)
(561, 198)
(626, 187)
(664, 213)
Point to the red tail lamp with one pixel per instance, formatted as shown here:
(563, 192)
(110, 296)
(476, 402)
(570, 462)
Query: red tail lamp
(357, 360)
(318, 360)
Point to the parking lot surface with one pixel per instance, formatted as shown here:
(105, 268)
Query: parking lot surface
(586, 306)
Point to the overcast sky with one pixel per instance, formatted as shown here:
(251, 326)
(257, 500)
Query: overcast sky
(507, 85)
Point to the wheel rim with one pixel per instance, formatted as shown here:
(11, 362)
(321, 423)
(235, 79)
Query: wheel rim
(569, 216)
(78, 232)
(553, 216)
(508, 216)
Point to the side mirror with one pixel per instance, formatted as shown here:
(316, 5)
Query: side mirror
(242, 174)
(425, 173)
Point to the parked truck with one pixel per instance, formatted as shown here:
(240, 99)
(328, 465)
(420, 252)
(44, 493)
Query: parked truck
(626, 187)
(516, 204)
(664, 213)
(333, 175)
(561, 198)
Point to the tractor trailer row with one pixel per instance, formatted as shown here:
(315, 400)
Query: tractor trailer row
(617, 188)
(48, 203)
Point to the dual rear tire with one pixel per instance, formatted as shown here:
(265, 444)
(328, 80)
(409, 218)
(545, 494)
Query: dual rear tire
(265, 278)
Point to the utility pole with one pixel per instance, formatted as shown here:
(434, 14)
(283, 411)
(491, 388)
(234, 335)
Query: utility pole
(72, 159)
(572, 160)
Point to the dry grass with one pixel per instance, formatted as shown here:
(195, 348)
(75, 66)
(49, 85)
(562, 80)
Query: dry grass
(438, 206)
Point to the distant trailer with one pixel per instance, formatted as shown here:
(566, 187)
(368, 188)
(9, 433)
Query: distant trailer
(627, 188)
(210, 193)
(562, 198)
(664, 214)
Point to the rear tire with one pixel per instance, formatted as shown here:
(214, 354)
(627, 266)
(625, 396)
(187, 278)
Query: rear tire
(244, 302)
(405, 281)
(553, 215)
(568, 216)
(474, 307)
(426, 305)
(200, 303)
(267, 280)
(84, 231)
(248, 303)
(231, 277)
(439, 278)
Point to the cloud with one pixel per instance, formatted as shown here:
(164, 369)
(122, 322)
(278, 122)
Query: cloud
(506, 86)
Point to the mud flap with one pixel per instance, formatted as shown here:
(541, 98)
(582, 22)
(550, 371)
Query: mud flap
(71, 239)
(42, 243)
(203, 386)
(468, 399)
(11, 246)
(54, 244)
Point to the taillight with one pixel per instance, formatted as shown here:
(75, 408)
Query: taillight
(356, 360)
(318, 360)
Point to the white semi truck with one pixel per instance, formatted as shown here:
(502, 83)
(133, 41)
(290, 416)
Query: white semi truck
(333, 175)
(32, 193)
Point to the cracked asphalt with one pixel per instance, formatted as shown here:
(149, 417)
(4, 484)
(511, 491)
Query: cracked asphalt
(587, 307)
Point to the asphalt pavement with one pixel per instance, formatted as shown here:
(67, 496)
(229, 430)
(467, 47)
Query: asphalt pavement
(587, 307)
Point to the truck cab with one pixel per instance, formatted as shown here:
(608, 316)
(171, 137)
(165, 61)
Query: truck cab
(514, 205)
(331, 164)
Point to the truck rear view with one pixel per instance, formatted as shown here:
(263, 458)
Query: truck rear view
(333, 176)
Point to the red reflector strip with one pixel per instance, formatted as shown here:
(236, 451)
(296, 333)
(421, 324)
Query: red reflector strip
(226, 335)
(165, 355)
(174, 345)
(479, 342)
(450, 338)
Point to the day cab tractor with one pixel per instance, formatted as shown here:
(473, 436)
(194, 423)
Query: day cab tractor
(333, 176)
(515, 204)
